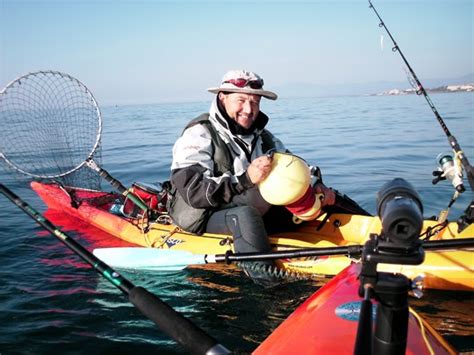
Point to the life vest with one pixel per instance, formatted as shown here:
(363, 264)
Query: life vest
(193, 219)
(222, 157)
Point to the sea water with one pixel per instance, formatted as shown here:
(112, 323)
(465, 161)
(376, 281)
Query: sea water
(52, 302)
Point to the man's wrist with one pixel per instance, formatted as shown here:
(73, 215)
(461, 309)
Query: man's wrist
(244, 182)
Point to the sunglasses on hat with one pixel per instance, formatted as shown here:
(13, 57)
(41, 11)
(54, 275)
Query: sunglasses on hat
(241, 83)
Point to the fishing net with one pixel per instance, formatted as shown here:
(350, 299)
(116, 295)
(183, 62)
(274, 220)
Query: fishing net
(51, 125)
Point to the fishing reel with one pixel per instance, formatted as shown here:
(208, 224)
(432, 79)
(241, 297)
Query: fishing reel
(449, 169)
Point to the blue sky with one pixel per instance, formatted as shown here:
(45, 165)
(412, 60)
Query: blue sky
(152, 51)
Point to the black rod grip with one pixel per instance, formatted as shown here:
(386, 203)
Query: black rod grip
(173, 324)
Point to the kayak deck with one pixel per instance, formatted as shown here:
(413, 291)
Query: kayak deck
(326, 323)
(450, 269)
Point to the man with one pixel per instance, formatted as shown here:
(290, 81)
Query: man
(218, 162)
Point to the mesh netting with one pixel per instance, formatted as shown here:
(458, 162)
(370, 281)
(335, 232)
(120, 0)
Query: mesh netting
(51, 125)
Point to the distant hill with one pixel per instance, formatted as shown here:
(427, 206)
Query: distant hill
(301, 89)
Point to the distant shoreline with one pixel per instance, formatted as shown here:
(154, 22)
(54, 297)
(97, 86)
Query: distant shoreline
(440, 89)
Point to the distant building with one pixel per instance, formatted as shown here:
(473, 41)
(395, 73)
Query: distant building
(464, 87)
(447, 88)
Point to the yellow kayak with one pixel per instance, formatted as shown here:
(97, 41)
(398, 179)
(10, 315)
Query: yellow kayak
(448, 269)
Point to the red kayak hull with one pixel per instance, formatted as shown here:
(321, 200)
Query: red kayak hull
(326, 323)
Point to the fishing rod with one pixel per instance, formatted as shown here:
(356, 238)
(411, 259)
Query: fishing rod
(420, 90)
(175, 325)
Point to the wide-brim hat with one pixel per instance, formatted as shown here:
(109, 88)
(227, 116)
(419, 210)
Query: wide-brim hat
(245, 82)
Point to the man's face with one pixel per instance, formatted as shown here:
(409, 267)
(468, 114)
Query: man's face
(242, 108)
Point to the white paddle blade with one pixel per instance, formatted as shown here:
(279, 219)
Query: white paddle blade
(148, 258)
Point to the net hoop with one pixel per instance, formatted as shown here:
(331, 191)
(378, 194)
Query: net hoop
(17, 82)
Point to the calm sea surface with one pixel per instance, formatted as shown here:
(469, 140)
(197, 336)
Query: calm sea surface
(51, 302)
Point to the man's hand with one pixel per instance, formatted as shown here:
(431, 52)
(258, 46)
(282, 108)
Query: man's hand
(329, 195)
(259, 169)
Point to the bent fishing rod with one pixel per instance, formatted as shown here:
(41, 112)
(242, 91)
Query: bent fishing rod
(420, 90)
